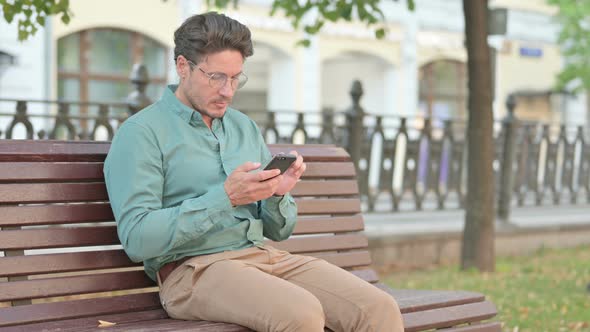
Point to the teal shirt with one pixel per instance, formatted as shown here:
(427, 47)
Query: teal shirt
(165, 173)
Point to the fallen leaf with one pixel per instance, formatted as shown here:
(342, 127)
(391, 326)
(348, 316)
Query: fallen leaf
(104, 323)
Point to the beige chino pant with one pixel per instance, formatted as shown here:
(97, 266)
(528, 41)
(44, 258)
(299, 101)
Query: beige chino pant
(266, 289)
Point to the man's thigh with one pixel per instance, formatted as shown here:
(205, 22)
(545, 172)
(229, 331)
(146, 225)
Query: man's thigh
(238, 292)
(349, 303)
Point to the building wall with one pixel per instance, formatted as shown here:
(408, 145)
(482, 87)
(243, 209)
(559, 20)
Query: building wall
(28, 78)
(295, 78)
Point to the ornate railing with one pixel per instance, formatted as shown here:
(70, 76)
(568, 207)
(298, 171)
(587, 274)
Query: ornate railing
(403, 163)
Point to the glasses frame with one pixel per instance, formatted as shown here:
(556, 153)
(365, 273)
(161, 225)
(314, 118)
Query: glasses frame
(241, 79)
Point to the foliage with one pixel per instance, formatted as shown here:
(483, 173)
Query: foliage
(31, 14)
(542, 292)
(574, 39)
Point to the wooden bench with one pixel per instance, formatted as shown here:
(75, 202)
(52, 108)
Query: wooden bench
(64, 270)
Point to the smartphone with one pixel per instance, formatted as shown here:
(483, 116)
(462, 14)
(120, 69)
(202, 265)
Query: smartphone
(281, 161)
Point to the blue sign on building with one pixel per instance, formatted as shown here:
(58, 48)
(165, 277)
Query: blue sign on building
(533, 52)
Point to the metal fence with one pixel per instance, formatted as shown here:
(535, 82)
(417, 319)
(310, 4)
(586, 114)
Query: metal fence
(403, 163)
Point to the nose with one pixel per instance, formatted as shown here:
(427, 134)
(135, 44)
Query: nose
(227, 90)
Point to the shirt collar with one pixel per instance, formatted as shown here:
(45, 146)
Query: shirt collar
(180, 109)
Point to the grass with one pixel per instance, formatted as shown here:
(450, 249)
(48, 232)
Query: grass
(542, 292)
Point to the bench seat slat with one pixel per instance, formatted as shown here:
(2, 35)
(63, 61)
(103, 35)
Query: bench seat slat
(131, 322)
(43, 312)
(55, 214)
(330, 206)
(77, 324)
(112, 259)
(52, 192)
(326, 188)
(63, 286)
(173, 325)
(415, 300)
(448, 316)
(476, 327)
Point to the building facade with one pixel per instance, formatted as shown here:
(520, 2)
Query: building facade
(419, 69)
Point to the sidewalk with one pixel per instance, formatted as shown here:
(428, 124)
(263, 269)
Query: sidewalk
(445, 221)
(420, 239)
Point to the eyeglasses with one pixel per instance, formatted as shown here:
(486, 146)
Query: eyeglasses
(218, 80)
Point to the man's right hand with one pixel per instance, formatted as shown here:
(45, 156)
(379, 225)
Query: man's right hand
(244, 187)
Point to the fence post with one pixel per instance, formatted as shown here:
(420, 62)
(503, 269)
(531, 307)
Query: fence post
(509, 126)
(137, 99)
(354, 123)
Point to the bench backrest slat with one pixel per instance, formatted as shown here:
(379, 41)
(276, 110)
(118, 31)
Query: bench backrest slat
(29, 193)
(332, 206)
(63, 286)
(116, 258)
(326, 188)
(311, 225)
(64, 262)
(75, 171)
(55, 214)
(58, 237)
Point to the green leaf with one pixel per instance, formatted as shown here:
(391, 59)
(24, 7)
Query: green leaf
(65, 18)
(8, 13)
(40, 19)
(304, 43)
(380, 33)
(22, 35)
(314, 29)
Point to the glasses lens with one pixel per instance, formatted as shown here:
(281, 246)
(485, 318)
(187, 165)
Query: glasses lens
(241, 80)
(217, 80)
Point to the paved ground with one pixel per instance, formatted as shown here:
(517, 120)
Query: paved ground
(435, 221)
(421, 239)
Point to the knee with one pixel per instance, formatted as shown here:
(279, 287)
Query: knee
(384, 312)
(304, 316)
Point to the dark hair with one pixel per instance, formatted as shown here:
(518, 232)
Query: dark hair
(210, 33)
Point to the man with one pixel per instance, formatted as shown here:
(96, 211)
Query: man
(191, 203)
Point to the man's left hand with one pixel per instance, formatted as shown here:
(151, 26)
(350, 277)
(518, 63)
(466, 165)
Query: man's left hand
(291, 175)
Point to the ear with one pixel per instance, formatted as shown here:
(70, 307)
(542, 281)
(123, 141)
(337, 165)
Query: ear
(182, 67)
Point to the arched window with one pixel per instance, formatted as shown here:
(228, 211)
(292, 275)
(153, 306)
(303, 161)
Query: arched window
(94, 65)
(443, 90)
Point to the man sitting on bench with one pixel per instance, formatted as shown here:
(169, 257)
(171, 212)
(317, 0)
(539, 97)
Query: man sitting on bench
(190, 203)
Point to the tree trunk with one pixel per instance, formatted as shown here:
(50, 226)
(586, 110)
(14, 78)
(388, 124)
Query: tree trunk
(478, 235)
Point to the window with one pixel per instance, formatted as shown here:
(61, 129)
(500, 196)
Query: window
(443, 90)
(94, 65)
